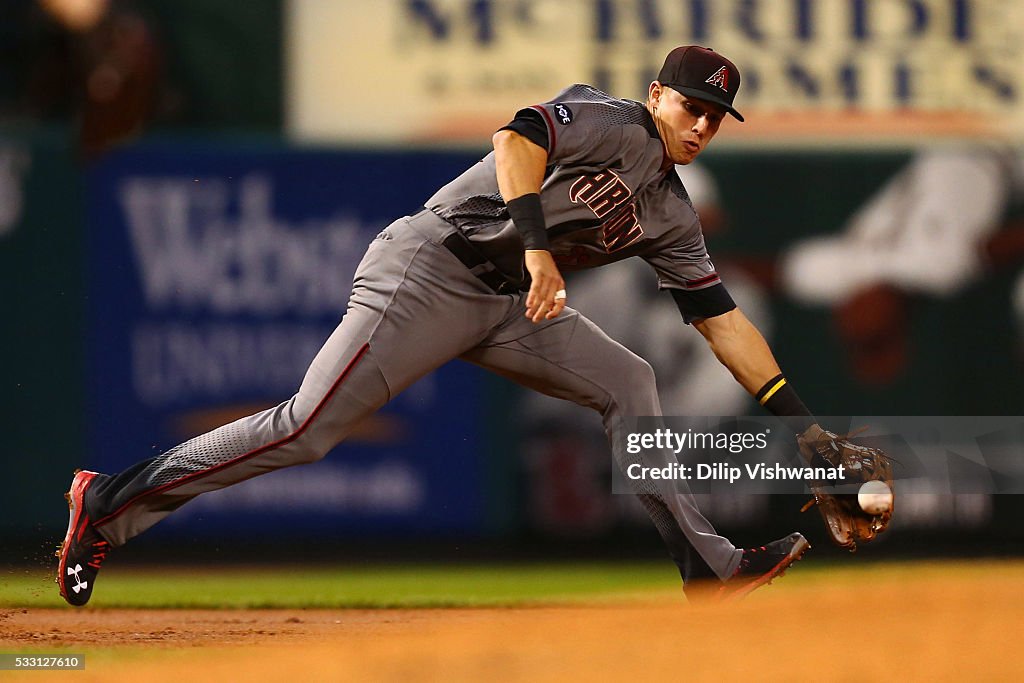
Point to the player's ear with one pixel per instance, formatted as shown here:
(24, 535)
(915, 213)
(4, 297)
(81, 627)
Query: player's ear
(654, 91)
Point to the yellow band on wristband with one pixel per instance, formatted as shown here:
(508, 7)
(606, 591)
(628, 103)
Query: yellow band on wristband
(771, 392)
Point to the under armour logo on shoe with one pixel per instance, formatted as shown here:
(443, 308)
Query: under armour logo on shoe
(720, 78)
(79, 584)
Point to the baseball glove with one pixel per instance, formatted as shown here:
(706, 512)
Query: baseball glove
(847, 523)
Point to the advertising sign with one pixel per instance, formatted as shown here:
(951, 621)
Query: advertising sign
(215, 277)
(872, 71)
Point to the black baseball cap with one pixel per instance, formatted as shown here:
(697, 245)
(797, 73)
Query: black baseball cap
(702, 73)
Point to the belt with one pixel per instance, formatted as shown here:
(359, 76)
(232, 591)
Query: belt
(460, 247)
(481, 268)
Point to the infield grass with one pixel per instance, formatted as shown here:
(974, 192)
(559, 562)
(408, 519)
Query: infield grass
(371, 587)
(427, 586)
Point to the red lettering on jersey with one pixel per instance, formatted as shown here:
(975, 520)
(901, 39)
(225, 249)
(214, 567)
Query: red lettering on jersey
(607, 201)
(605, 194)
(622, 230)
(586, 188)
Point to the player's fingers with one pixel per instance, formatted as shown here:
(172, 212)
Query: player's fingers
(542, 310)
(556, 309)
(545, 300)
(540, 297)
(552, 299)
(533, 300)
(551, 307)
(559, 304)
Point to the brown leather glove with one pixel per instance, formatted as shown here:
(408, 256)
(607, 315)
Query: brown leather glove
(845, 520)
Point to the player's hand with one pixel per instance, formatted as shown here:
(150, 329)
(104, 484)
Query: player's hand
(542, 302)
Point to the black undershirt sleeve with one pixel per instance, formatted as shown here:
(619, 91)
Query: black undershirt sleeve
(697, 304)
(530, 124)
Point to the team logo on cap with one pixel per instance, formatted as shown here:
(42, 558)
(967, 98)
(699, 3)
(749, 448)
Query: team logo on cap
(720, 78)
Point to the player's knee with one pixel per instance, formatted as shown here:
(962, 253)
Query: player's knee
(635, 389)
(639, 375)
(308, 453)
(310, 446)
(299, 434)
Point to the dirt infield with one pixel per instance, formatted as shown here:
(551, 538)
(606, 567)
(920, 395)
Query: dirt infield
(928, 622)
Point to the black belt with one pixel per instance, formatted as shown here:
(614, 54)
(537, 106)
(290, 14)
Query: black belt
(460, 247)
(485, 271)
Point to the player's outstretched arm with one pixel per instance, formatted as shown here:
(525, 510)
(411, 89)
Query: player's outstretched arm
(742, 349)
(520, 167)
(848, 520)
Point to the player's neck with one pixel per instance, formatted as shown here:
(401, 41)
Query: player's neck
(666, 161)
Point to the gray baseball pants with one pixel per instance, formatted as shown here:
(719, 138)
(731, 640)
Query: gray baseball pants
(414, 307)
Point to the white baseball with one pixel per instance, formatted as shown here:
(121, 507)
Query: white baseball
(875, 497)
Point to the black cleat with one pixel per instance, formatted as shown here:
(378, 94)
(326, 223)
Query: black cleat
(83, 549)
(760, 566)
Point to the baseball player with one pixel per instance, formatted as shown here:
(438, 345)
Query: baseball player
(577, 182)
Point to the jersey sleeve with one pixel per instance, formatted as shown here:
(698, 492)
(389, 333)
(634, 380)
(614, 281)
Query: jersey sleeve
(530, 124)
(583, 125)
(684, 265)
(687, 272)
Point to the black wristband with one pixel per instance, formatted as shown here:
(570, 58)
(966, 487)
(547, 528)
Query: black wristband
(780, 399)
(528, 217)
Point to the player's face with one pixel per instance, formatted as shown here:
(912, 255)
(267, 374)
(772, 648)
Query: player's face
(686, 124)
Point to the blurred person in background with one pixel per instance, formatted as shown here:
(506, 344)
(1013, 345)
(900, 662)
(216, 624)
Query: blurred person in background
(95, 62)
(938, 226)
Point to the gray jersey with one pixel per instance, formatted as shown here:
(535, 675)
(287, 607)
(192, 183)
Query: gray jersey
(605, 195)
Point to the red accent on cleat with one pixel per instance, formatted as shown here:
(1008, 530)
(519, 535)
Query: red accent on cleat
(82, 545)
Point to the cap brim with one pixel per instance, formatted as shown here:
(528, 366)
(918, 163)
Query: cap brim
(704, 95)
